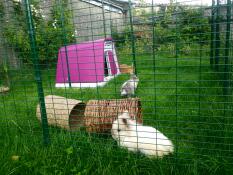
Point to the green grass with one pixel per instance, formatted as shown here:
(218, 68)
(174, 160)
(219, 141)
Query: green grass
(182, 98)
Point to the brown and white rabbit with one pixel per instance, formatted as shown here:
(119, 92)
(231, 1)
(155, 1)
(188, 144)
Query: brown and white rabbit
(136, 137)
(129, 87)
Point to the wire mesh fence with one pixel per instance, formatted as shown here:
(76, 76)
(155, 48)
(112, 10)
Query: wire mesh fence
(116, 87)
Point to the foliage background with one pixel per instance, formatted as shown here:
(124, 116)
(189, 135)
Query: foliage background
(49, 28)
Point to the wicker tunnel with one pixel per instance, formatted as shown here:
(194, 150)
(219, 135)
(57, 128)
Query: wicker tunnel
(63, 113)
(95, 116)
(100, 114)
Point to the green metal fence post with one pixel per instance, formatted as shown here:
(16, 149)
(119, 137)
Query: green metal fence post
(226, 76)
(103, 16)
(132, 37)
(37, 72)
(212, 34)
(64, 39)
(154, 63)
(133, 45)
(217, 36)
(227, 48)
(176, 85)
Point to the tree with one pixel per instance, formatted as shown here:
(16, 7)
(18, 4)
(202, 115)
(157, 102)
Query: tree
(50, 31)
(194, 27)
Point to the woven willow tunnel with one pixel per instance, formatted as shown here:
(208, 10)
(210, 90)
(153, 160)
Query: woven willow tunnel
(96, 116)
(99, 114)
(62, 112)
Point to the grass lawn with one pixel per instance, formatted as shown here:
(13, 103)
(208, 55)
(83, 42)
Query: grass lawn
(181, 97)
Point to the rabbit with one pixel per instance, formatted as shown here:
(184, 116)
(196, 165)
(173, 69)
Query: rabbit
(128, 88)
(138, 138)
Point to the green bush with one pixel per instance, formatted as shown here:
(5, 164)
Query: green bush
(51, 33)
(194, 27)
(183, 29)
(168, 49)
(120, 38)
(1, 10)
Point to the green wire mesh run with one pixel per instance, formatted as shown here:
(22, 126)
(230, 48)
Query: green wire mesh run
(180, 52)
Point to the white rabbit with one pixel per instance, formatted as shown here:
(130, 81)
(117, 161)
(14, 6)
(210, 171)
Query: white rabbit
(135, 137)
(128, 88)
